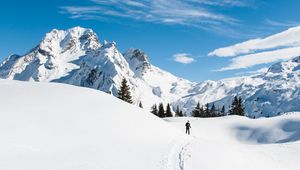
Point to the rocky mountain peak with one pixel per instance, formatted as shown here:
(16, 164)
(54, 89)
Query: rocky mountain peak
(138, 60)
(60, 41)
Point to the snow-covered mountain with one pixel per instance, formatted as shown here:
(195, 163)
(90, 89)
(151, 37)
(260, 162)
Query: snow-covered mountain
(268, 94)
(77, 57)
(54, 57)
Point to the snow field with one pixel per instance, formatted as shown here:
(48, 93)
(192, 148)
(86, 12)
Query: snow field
(49, 126)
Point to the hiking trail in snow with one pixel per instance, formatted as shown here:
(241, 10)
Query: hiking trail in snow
(178, 154)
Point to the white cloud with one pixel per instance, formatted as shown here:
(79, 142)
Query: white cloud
(281, 46)
(195, 13)
(183, 58)
(288, 38)
(241, 3)
(255, 72)
(250, 60)
(282, 24)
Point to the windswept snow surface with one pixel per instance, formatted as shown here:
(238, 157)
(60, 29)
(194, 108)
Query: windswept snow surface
(239, 143)
(48, 126)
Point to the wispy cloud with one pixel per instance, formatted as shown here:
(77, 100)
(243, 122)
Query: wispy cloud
(282, 24)
(183, 58)
(241, 3)
(193, 13)
(255, 72)
(250, 60)
(281, 46)
(288, 38)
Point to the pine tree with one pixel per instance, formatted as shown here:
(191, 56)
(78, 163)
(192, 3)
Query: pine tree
(202, 112)
(207, 111)
(196, 111)
(181, 113)
(222, 113)
(237, 106)
(154, 110)
(141, 105)
(168, 111)
(124, 92)
(213, 111)
(177, 112)
(241, 109)
(161, 111)
(233, 108)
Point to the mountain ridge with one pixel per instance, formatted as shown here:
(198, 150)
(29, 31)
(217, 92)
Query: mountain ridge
(76, 56)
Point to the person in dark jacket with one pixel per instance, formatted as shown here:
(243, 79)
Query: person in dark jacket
(187, 127)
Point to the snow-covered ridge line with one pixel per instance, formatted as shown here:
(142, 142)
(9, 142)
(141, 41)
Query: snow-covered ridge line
(76, 56)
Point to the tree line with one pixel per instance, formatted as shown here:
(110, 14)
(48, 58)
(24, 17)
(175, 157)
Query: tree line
(160, 111)
(236, 107)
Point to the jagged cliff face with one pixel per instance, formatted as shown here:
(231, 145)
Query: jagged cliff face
(77, 57)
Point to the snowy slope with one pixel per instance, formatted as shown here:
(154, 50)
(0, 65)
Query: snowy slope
(76, 56)
(235, 143)
(47, 126)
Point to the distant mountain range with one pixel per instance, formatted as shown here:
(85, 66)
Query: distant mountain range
(77, 57)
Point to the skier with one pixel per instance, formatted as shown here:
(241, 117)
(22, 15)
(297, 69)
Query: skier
(187, 127)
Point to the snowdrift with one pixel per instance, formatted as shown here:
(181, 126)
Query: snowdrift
(56, 126)
(235, 143)
(283, 129)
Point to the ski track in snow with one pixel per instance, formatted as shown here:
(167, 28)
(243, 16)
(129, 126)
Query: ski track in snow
(178, 154)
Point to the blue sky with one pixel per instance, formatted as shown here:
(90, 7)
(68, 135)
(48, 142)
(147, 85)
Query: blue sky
(177, 35)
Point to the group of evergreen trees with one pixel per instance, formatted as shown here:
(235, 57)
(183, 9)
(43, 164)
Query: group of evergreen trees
(212, 111)
(178, 112)
(160, 111)
(236, 108)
